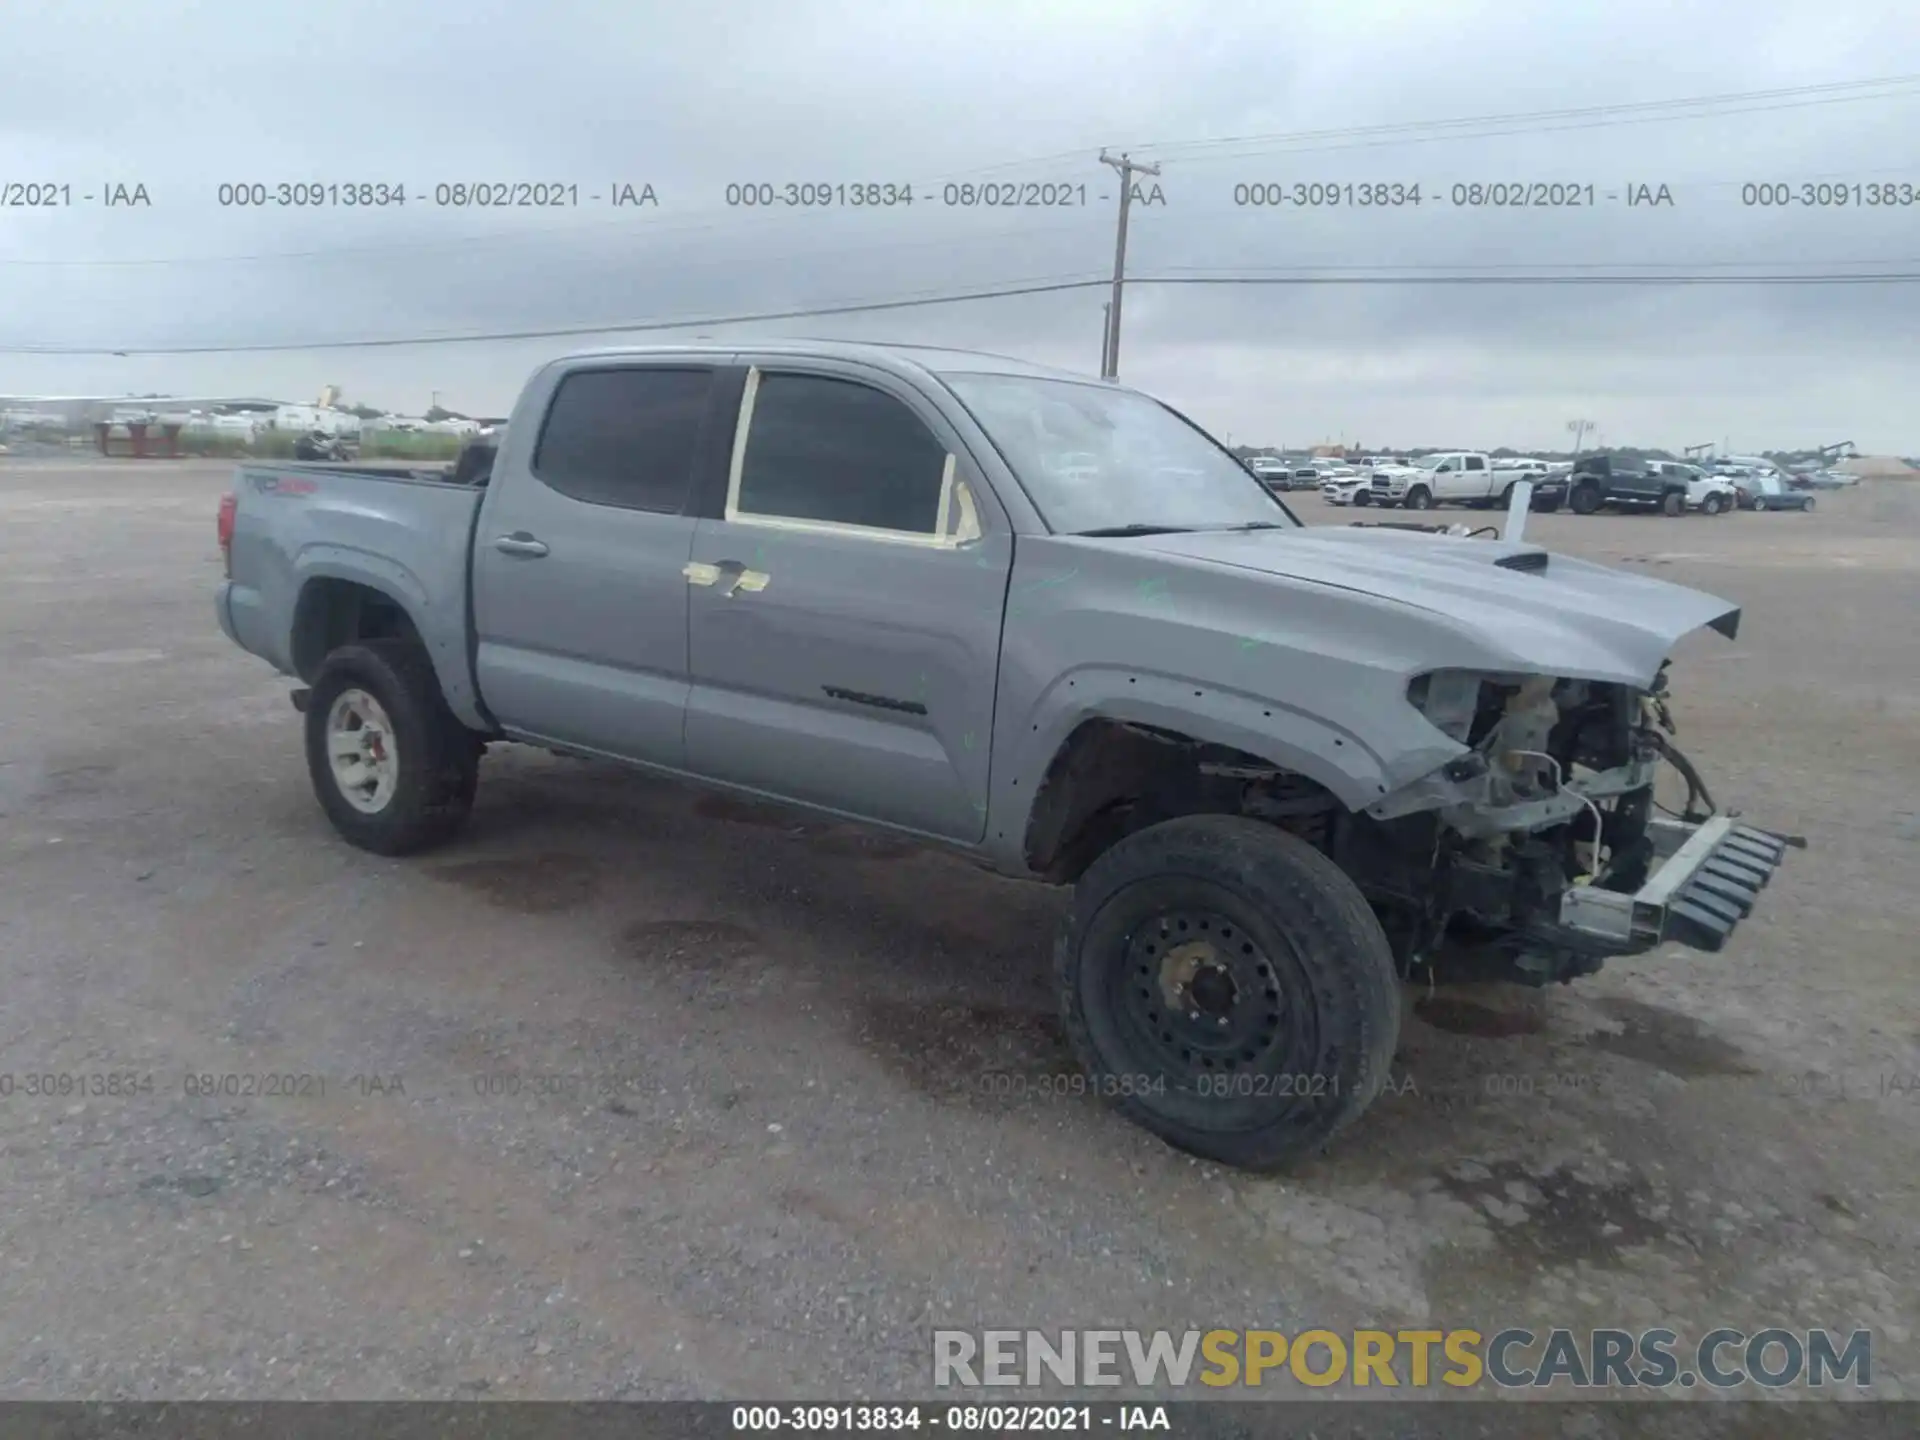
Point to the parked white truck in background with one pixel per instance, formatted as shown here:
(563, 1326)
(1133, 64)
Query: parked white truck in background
(1464, 477)
(1451, 475)
(1709, 494)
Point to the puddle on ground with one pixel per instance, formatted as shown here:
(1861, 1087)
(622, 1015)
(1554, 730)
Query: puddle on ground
(199, 1187)
(803, 1201)
(1561, 1216)
(75, 781)
(863, 845)
(530, 884)
(1464, 1017)
(691, 944)
(745, 812)
(988, 1054)
(1667, 1040)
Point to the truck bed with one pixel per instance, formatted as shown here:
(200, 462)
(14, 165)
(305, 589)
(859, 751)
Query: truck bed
(404, 531)
(426, 473)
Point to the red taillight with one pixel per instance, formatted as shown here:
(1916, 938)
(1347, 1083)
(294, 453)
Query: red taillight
(229, 503)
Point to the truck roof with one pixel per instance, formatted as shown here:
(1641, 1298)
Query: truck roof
(927, 358)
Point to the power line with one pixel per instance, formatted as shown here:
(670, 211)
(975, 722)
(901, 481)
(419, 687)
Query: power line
(1882, 278)
(1580, 266)
(559, 332)
(995, 293)
(1842, 90)
(1586, 117)
(1288, 142)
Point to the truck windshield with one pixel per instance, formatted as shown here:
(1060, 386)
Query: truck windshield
(1093, 457)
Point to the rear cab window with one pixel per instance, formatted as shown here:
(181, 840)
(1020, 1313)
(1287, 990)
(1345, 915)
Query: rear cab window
(625, 437)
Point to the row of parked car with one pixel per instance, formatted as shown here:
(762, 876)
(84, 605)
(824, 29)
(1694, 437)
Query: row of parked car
(1591, 483)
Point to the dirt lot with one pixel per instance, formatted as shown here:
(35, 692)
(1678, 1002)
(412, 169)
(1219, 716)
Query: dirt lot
(639, 1094)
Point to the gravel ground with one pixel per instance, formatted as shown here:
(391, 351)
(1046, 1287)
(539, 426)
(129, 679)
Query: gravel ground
(639, 1094)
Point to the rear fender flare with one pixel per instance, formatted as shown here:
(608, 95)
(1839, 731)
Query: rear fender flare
(443, 634)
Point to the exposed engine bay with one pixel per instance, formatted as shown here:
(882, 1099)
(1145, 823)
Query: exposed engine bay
(1556, 792)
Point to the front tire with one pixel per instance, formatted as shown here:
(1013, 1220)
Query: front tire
(1361, 497)
(1585, 499)
(391, 766)
(1419, 498)
(1229, 989)
(1759, 503)
(1713, 504)
(1673, 503)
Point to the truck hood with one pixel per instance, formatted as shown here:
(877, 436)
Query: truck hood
(1532, 610)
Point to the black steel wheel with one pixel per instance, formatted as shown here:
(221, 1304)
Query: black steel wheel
(1226, 986)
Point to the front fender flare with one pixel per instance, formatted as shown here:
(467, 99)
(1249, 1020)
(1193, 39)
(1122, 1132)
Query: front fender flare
(1287, 737)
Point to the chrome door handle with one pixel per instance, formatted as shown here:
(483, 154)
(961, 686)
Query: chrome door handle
(520, 543)
(731, 575)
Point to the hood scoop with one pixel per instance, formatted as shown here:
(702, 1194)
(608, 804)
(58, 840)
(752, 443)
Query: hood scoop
(1532, 562)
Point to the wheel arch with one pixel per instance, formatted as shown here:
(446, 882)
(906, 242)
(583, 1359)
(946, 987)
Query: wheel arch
(333, 610)
(1100, 772)
(340, 600)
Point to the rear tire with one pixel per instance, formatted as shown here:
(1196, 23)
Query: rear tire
(1585, 499)
(1274, 950)
(1759, 502)
(409, 784)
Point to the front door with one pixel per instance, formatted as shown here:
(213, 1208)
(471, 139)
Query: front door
(846, 608)
(579, 595)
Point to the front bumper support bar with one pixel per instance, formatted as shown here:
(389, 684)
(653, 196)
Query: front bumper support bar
(1706, 885)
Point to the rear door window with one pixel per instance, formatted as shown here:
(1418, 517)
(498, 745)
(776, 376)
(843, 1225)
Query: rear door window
(625, 437)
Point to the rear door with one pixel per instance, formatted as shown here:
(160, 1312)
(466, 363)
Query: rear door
(579, 600)
(1476, 479)
(1636, 483)
(846, 604)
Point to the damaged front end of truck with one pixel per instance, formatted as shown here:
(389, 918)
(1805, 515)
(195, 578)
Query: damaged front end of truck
(1558, 837)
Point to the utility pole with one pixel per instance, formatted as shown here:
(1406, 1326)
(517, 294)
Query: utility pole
(1126, 168)
(1106, 335)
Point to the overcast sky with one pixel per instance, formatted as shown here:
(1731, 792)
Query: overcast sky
(689, 98)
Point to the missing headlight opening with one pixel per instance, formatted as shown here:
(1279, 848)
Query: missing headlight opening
(1554, 795)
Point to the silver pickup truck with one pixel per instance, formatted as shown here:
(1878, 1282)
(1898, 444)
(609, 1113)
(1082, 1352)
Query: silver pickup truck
(1046, 621)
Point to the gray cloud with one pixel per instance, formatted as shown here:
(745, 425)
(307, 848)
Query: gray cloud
(690, 99)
